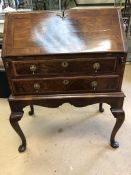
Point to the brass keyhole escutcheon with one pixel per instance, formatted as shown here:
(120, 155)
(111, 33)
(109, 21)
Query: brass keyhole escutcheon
(33, 68)
(37, 87)
(94, 85)
(64, 64)
(96, 66)
(65, 82)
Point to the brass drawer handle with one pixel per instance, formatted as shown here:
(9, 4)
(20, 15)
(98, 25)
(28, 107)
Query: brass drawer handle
(36, 87)
(33, 68)
(65, 82)
(94, 85)
(96, 66)
(64, 64)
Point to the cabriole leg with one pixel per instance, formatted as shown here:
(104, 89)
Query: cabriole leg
(120, 117)
(31, 112)
(101, 109)
(14, 118)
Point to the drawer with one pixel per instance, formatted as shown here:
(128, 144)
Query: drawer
(61, 66)
(64, 85)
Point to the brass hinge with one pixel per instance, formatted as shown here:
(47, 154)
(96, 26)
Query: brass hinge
(122, 60)
(7, 64)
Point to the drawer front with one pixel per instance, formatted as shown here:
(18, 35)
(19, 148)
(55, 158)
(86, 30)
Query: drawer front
(65, 85)
(61, 66)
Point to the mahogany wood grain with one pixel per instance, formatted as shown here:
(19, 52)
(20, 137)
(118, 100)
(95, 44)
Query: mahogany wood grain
(64, 66)
(60, 85)
(98, 30)
(77, 59)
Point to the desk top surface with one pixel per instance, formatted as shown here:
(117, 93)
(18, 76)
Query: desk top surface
(79, 31)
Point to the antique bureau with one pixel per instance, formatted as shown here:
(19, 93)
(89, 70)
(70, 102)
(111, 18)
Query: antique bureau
(75, 57)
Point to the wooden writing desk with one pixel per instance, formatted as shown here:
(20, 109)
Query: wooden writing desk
(77, 59)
